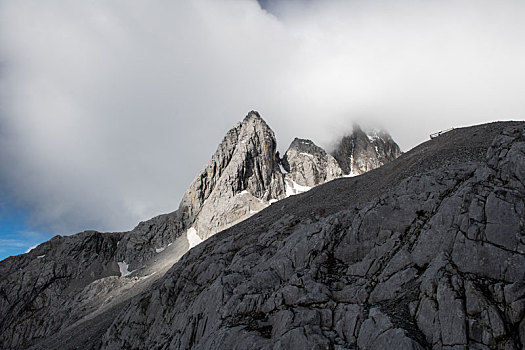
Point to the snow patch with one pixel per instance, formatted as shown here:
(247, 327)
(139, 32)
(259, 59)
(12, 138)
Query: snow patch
(158, 250)
(293, 188)
(31, 248)
(283, 170)
(273, 200)
(243, 193)
(193, 238)
(373, 135)
(352, 174)
(40, 256)
(124, 269)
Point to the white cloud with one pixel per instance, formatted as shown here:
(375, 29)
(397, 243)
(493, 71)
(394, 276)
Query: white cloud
(110, 108)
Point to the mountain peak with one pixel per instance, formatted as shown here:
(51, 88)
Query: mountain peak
(253, 115)
(307, 165)
(241, 178)
(364, 150)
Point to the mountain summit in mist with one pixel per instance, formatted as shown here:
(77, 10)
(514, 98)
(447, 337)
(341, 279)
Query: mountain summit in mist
(420, 250)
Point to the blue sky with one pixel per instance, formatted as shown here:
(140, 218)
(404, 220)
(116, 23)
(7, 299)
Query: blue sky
(16, 235)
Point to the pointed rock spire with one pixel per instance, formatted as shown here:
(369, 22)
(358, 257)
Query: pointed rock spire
(241, 178)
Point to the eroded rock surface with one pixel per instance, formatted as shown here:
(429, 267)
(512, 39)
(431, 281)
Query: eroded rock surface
(413, 264)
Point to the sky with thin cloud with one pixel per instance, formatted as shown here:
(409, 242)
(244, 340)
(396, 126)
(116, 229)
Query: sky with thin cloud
(108, 109)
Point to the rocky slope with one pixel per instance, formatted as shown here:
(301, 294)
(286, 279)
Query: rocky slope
(360, 152)
(425, 252)
(68, 290)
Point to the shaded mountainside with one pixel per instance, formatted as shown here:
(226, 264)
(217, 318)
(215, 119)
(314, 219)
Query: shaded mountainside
(426, 252)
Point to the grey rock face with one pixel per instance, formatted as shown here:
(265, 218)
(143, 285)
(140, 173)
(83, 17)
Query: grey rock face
(35, 289)
(424, 252)
(361, 152)
(409, 264)
(241, 178)
(309, 165)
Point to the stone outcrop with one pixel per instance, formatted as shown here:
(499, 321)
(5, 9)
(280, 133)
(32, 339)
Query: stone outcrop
(428, 252)
(308, 165)
(360, 152)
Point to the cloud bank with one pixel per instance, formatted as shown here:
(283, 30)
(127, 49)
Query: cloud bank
(108, 109)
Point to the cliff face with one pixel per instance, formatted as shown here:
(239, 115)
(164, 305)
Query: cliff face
(360, 152)
(242, 177)
(428, 252)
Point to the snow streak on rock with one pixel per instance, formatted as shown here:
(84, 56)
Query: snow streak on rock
(193, 237)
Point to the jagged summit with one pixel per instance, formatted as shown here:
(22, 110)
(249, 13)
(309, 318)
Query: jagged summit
(308, 165)
(363, 151)
(241, 178)
(253, 115)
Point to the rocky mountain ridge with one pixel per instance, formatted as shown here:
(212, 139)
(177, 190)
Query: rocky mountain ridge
(431, 257)
(84, 279)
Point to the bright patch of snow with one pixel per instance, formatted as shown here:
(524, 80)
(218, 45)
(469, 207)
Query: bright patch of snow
(283, 170)
(30, 248)
(243, 192)
(352, 174)
(273, 200)
(124, 269)
(158, 250)
(193, 238)
(373, 135)
(40, 256)
(293, 188)
(289, 189)
(300, 188)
